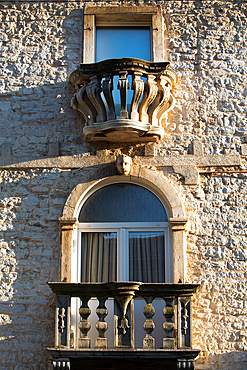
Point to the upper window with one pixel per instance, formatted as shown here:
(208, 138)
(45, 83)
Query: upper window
(120, 31)
(122, 42)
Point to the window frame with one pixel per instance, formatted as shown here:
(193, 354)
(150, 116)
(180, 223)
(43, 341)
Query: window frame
(115, 227)
(122, 229)
(121, 15)
(142, 176)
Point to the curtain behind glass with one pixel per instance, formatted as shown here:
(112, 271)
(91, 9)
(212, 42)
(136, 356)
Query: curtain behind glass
(99, 257)
(147, 257)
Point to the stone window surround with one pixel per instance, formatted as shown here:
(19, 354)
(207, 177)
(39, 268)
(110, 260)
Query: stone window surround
(144, 177)
(124, 15)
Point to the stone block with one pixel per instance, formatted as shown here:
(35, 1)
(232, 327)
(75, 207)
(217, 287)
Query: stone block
(244, 149)
(149, 343)
(101, 343)
(168, 343)
(197, 148)
(83, 342)
(150, 150)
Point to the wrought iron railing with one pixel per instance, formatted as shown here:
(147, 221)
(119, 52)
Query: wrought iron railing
(96, 99)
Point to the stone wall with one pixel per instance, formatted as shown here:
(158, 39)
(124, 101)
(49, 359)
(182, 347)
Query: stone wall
(40, 46)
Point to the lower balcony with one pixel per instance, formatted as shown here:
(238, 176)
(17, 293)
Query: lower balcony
(176, 351)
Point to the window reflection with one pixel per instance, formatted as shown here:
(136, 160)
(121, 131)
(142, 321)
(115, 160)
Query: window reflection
(122, 42)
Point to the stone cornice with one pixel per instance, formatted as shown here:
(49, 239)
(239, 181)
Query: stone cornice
(188, 166)
(200, 161)
(77, 161)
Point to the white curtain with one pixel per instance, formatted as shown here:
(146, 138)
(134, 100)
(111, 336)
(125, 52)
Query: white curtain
(99, 257)
(147, 257)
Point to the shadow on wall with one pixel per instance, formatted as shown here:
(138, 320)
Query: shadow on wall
(223, 361)
(35, 93)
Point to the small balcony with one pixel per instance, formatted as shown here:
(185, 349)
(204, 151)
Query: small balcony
(123, 100)
(176, 351)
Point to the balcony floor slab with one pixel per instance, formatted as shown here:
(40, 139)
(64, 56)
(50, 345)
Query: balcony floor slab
(112, 359)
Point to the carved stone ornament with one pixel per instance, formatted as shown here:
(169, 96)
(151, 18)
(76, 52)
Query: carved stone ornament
(123, 164)
(142, 112)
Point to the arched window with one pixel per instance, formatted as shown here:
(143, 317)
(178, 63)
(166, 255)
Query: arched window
(123, 235)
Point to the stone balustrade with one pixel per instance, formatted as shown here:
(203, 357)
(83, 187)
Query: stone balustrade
(102, 87)
(177, 313)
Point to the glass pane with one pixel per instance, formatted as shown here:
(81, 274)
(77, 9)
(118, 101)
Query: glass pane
(147, 256)
(98, 257)
(122, 42)
(123, 203)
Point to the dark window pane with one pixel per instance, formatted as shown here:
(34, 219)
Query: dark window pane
(123, 203)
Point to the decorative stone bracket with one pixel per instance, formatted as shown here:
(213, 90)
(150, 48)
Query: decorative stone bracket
(139, 119)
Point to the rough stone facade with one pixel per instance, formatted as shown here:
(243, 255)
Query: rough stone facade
(40, 44)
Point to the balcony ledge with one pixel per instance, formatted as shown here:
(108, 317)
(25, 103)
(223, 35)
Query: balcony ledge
(125, 353)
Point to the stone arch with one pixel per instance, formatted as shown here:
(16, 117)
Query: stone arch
(139, 175)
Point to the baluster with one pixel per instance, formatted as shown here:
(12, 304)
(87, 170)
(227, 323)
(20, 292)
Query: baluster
(101, 325)
(150, 92)
(164, 89)
(123, 86)
(165, 109)
(84, 325)
(184, 322)
(85, 107)
(148, 326)
(62, 322)
(168, 326)
(93, 92)
(138, 87)
(107, 87)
